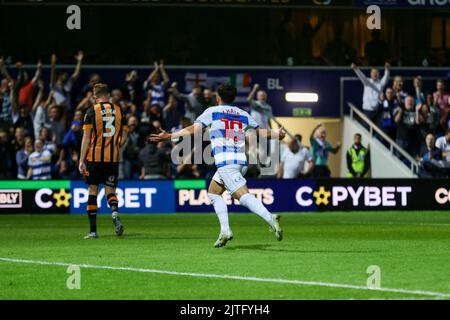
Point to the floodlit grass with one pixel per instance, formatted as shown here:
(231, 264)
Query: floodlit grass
(411, 249)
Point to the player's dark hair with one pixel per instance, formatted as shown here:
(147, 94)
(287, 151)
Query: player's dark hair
(100, 89)
(226, 92)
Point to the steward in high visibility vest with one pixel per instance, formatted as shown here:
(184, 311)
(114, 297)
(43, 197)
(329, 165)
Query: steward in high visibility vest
(358, 159)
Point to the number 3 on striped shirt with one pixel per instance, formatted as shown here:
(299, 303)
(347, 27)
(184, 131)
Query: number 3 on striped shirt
(109, 128)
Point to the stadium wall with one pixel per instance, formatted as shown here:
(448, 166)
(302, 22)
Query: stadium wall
(170, 196)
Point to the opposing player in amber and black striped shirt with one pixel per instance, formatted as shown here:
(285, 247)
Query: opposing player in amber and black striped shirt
(104, 132)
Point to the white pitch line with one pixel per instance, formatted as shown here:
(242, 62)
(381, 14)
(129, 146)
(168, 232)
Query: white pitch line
(231, 277)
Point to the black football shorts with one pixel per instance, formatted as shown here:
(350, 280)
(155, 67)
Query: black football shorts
(106, 173)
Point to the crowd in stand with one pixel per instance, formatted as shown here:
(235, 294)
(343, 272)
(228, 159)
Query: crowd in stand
(419, 121)
(41, 123)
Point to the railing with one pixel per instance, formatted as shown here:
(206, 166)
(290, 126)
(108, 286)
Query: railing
(393, 147)
(290, 135)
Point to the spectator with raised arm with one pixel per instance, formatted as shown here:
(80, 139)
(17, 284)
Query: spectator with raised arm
(61, 83)
(132, 88)
(156, 89)
(171, 113)
(261, 111)
(40, 118)
(320, 150)
(26, 87)
(193, 102)
(86, 103)
(373, 87)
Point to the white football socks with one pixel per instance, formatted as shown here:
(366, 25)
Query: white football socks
(221, 210)
(249, 201)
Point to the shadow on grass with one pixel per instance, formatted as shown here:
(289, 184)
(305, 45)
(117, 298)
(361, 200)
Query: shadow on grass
(271, 248)
(149, 236)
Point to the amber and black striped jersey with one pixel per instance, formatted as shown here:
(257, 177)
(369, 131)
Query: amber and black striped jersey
(107, 123)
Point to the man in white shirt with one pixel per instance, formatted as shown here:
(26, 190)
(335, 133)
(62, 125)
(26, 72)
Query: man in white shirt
(443, 143)
(293, 160)
(373, 87)
(39, 163)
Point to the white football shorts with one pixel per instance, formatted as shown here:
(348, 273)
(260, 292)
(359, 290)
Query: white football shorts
(231, 176)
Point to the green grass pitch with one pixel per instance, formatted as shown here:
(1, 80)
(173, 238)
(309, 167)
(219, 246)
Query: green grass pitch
(321, 253)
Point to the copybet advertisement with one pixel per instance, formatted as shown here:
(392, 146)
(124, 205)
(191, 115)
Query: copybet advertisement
(64, 197)
(330, 195)
(133, 196)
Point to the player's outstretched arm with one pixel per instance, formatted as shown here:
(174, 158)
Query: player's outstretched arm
(165, 136)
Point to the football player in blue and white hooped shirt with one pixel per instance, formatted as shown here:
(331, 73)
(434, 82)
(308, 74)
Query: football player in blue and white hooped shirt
(40, 163)
(227, 126)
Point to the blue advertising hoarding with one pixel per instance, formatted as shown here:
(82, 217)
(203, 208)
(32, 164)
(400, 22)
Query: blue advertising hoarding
(276, 195)
(134, 197)
(299, 195)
